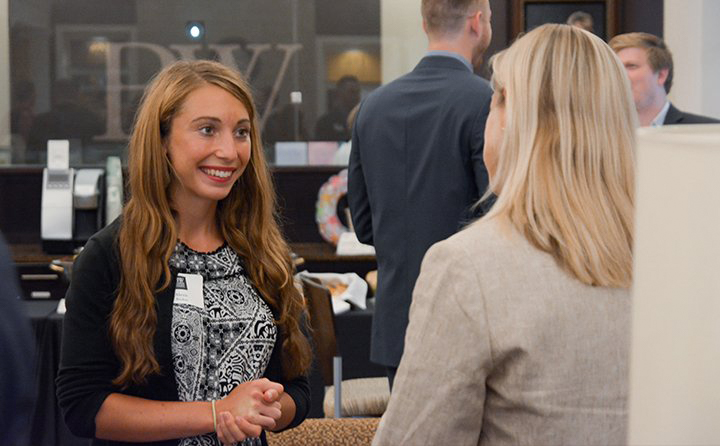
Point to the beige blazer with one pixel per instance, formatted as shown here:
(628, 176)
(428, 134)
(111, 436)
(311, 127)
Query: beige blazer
(506, 348)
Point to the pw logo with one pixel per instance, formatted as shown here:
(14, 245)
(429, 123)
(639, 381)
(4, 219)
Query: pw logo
(115, 86)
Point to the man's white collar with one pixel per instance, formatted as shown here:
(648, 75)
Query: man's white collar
(660, 118)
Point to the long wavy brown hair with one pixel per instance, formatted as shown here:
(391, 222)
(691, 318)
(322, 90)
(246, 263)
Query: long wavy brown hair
(148, 234)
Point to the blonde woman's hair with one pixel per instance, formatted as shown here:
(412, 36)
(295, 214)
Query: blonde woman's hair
(565, 166)
(148, 232)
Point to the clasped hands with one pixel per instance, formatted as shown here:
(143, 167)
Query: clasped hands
(250, 407)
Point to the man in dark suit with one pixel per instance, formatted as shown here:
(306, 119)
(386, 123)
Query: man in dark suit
(675, 116)
(416, 164)
(649, 66)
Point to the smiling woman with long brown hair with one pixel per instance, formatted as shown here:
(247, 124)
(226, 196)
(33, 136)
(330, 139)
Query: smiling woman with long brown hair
(183, 325)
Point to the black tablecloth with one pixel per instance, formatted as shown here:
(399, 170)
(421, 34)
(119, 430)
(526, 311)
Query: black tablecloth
(48, 427)
(353, 330)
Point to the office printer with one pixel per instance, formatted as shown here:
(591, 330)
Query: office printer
(73, 201)
(72, 208)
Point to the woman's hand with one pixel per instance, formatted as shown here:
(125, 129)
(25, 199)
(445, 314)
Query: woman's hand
(255, 401)
(231, 430)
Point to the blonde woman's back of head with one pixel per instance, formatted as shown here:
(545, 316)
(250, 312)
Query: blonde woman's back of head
(565, 168)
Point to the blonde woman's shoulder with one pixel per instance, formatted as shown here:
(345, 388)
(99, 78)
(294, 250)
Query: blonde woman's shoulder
(487, 234)
(484, 244)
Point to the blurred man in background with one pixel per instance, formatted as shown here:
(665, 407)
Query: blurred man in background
(649, 66)
(332, 126)
(582, 20)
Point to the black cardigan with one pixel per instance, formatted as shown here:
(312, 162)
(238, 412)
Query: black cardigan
(88, 363)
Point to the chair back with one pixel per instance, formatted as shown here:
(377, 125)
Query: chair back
(322, 324)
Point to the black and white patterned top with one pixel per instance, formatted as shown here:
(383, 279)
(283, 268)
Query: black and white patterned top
(227, 342)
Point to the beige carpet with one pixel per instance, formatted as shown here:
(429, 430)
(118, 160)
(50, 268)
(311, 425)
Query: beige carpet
(327, 432)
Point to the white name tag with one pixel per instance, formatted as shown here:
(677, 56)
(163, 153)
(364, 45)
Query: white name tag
(189, 290)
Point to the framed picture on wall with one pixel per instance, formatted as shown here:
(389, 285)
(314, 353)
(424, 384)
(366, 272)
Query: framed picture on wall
(529, 14)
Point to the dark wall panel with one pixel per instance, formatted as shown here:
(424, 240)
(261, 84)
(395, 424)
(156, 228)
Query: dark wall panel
(20, 194)
(633, 15)
(354, 17)
(642, 15)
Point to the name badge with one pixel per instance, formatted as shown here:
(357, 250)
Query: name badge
(189, 290)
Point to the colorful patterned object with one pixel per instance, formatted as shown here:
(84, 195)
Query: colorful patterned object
(326, 207)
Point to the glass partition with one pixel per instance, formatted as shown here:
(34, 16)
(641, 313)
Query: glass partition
(78, 67)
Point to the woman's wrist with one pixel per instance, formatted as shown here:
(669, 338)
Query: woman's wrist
(132, 419)
(214, 415)
(287, 412)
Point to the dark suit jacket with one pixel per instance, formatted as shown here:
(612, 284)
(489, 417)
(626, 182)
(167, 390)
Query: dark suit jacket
(415, 169)
(675, 116)
(17, 388)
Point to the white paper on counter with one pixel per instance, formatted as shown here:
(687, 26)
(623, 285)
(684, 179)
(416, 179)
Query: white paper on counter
(356, 292)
